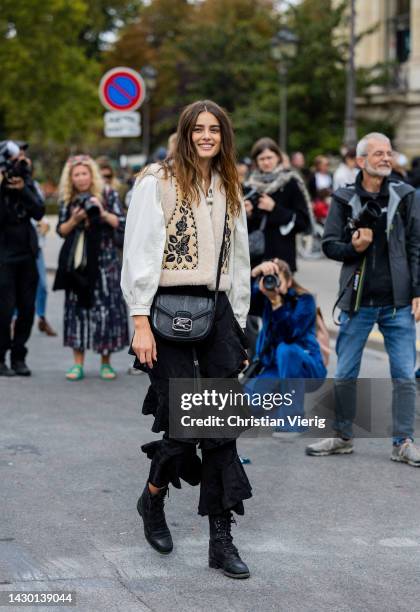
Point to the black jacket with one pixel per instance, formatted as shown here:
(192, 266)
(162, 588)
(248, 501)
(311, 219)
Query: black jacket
(290, 210)
(403, 235)
(18, 238)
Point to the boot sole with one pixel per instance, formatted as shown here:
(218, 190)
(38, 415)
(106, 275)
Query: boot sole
(215, 565)
(343, 451)
(161, 552)
(407, 461)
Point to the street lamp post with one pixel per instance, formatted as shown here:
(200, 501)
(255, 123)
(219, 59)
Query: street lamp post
(283, 49)
(149, 75)
(350, 132)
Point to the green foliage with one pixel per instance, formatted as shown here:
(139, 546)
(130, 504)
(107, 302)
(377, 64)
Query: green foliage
(222, 50)
(103, 18)
(213, 49)
(317, 78)
(53, 52)
(49, 86)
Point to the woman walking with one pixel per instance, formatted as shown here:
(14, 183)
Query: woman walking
(186, 223)
(95, 315)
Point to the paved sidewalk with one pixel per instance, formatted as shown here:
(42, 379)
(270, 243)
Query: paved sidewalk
(325, 534)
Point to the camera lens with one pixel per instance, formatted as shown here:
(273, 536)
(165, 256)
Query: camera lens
(270, 282)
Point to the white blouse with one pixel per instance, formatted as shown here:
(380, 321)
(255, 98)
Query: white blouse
(144, 243)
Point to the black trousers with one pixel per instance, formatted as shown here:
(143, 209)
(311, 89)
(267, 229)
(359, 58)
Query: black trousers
(18, 284)
(222, 479)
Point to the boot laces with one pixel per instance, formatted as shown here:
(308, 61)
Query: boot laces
(223, 534)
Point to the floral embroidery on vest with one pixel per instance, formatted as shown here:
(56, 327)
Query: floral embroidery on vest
(181, 252)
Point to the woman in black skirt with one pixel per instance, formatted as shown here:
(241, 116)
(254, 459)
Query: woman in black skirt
(179, 212)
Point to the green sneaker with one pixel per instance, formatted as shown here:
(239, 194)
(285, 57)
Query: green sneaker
(407, 452)
(75, 372)
(107, 372)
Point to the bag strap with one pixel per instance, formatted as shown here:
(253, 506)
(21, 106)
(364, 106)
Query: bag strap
(263, 223)
(220, 262)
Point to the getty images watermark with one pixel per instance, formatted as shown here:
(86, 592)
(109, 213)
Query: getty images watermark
(221, 402)
(223, 408)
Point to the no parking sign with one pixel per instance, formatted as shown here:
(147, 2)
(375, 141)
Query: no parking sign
(122, 89)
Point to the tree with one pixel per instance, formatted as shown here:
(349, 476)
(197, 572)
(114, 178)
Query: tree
(49, 86)
(103, 20)
(316, 91)
(213, 49)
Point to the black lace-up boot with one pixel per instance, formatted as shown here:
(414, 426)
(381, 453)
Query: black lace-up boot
(151, 509)
(222, 553)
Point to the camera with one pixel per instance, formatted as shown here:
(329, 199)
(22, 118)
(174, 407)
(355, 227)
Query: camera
(367, 217)
(83, 201)
(10, 166)
(253, 196)
(271, 282)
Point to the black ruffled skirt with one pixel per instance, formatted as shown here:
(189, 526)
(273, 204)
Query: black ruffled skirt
(222, 478)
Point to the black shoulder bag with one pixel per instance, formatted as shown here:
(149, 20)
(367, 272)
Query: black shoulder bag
(186, 318)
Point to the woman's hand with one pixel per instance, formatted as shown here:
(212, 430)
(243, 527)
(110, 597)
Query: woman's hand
(43, 227)
(264, 268)
(106, 216)
(266, 203)
(144, 344)
(16, 182)
(78, 214)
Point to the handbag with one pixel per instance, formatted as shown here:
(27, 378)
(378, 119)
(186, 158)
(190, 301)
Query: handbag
(323, 337)
(186, 317)
(256, 240)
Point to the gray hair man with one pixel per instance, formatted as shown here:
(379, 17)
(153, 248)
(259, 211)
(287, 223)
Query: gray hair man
(379, 283)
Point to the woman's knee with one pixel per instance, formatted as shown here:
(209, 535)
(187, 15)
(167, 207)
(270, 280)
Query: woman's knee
(288, 357)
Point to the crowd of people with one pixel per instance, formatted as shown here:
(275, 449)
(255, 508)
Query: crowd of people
(204, 237)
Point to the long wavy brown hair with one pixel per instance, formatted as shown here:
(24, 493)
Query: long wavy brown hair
(184, 162)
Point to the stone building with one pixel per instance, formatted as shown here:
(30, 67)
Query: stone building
(396, 40)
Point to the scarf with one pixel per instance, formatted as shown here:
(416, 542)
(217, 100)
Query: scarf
(270, 182)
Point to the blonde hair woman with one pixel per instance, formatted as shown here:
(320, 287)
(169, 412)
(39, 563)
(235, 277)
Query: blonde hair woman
(89, 270)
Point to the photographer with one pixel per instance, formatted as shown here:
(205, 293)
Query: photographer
(379, 283)
(277, 203)
(19, 203)
(287, 346)
(92, 223)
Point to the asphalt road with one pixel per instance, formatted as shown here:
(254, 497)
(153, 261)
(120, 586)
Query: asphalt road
(325, 534)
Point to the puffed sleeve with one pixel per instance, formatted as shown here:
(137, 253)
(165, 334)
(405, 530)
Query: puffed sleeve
(239, 294)
(144, 243)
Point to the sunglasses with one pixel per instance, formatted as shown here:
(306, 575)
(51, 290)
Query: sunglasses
(79, 159)
(106, 176)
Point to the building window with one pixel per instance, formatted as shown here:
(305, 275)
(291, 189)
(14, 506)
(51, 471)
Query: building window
(402, 30)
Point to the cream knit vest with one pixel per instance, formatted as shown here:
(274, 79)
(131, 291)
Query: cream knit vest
(193, 235)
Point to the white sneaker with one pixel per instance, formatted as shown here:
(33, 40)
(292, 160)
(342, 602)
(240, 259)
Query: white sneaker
(330, 446)
(407, 452)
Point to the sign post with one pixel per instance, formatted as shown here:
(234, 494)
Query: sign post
(122, 90)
